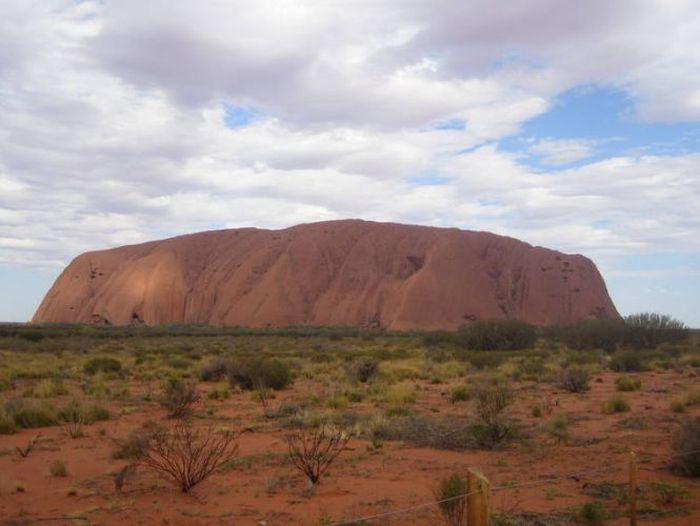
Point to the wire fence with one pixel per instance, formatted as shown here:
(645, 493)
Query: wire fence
(576, 475)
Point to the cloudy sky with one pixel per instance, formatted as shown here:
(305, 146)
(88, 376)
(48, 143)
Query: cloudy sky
(572, 125)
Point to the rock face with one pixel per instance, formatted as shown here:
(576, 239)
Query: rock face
(347, 272)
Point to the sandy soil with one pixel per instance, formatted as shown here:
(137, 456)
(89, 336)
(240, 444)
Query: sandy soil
(528, 475)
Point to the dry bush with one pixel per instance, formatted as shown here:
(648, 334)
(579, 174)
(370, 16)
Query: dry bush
(24, 451)
(188, 456)
(122, 475)
(686, 448)
(448, 432)
(362, 368)
(492, 428)
(312, 452)
(178, 397)
(73, 421)
(575, 379)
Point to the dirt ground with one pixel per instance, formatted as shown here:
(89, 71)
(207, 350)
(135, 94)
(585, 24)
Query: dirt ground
(531, 477)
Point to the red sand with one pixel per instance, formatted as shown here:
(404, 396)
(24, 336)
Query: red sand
(364, 481)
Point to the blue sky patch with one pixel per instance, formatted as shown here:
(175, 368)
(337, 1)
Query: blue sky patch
(450, 124)
(429, 178)
(606, 116)
(240, 116)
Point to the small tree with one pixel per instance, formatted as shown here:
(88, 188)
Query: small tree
(187, 456)
(648, 329)
(312, 452)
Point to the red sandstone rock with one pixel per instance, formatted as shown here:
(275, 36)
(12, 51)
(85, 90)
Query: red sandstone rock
(332, 273)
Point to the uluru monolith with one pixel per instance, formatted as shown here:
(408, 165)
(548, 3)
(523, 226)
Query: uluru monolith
(347, 272)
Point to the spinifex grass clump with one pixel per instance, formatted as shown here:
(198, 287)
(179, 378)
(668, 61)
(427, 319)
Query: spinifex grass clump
(616, 404)
(102, 364)
(450, 493)
(31, 414)
(626, 383)
(559, 429)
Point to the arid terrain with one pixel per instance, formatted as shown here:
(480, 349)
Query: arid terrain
(409, 402)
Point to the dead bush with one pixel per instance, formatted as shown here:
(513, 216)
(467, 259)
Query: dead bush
(24, 451)
(312, 452)
(187, 456)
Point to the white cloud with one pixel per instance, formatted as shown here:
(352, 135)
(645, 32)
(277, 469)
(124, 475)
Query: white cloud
(112, 120)
(563, 151)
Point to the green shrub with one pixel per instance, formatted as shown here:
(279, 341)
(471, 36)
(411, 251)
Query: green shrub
(49, 388)
(616, 405)
(627, 361)
(438, 338)
(668, 493)
(76, 411)
(135, 445)
(626, 384)
(537, 412)
(693, 398)
(685, 444)
(491, 428)
(217, 369)
(443, 432)
(592, 513)
(6, 381)
(363, 368)
(603, 333)
(398, 395)
(253, 373)
(647, 330)
(58, 469)
(102, 364)
(338, 401)
(559, 429)
(178, 396)
(490, 360)
(678, 406)
(220, 392)
(531, 367)
(30, 414)
(450, 495)
(460, 394)
(574, 379)
(491, 335)
(355, 395)
(7, 423)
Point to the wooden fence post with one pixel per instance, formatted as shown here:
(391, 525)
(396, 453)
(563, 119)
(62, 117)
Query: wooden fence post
(633, 488)
(478, 495)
